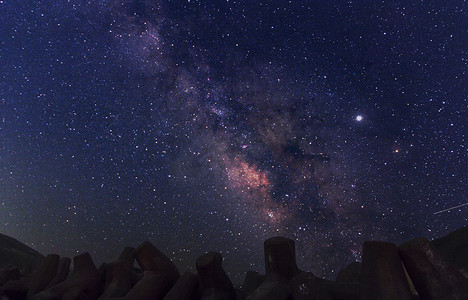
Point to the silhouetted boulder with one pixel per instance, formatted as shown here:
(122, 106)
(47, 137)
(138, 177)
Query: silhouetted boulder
(382, 275)
(280, 257)
(454, 248)
(186, 288)
(9, 273)
(274, 287)
(15, 253)
(350, 273)
(215, 283)
(252, 281)
(84, 283)
(43, 276)
(432, 275)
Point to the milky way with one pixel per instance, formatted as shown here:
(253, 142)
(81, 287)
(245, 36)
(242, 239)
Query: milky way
(215, 125)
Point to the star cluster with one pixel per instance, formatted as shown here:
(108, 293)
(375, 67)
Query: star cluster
(214, 125)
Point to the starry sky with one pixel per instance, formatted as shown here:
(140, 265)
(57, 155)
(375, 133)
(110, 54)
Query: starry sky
(214, 125)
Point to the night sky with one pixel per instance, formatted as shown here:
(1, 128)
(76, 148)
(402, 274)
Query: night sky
(214, 125)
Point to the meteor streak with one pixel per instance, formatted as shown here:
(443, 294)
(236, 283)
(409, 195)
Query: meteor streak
(461, 205)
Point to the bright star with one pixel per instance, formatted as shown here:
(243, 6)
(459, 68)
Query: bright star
(359, 118)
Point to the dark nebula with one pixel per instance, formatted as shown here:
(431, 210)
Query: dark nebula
(214, 125)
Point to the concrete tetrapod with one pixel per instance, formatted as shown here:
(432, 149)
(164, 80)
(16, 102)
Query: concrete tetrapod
(44, 274)
(62, 272)
(280, 257)
(119, 276)
(274, 287)
(186, 288)
(159, 273)
(382, 274)
(432, 275)
(215, 283)
(252, 281)
(84, 282)
(9, 273)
